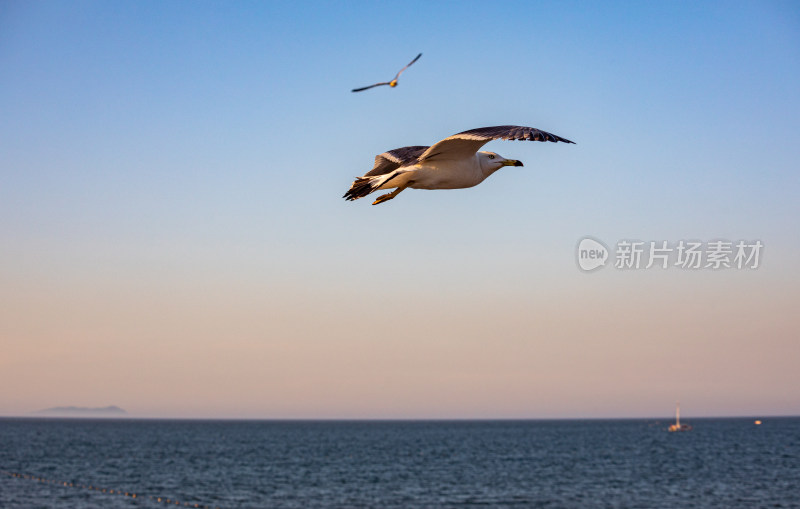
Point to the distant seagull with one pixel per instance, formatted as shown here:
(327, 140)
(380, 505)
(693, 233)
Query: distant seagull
(453, 163)
(392, 83)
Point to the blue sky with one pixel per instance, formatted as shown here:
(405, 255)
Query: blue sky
(172, 181)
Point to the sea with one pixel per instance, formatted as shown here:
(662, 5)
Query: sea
(129, 463)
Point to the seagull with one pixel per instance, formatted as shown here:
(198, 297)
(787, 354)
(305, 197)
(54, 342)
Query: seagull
(453, 163)
(392, 83)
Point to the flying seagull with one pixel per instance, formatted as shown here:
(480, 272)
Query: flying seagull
(453, 163)
(392, 83)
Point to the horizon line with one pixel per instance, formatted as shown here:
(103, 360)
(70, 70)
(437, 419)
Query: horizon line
(383, 419)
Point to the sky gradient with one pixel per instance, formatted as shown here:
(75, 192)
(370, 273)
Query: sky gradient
(174, 240)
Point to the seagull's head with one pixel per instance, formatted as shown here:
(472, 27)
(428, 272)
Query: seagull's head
(491, 162)
(393, 83)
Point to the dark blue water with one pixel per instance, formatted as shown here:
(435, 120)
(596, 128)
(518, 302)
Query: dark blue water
(724, 463)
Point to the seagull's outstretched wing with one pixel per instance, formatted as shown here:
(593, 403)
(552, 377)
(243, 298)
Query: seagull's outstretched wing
(393, 159)
(371, 86)
(391, 83)
(464, 145)
(407, 66)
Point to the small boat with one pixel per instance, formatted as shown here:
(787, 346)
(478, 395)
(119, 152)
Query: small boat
(678, 426)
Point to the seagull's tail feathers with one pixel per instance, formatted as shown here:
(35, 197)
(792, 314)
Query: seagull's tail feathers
(362, 186)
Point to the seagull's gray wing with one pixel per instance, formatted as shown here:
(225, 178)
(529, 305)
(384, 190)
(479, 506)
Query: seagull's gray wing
(406, 67)
(393, 159)
(464, 145)
(371, 86)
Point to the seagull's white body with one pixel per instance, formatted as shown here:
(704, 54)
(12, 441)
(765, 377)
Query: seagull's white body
(437, 175)
(453, 163)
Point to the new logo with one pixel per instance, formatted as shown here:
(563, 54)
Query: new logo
(592, 254)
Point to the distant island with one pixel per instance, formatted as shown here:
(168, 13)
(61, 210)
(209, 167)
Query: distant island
(76, 411)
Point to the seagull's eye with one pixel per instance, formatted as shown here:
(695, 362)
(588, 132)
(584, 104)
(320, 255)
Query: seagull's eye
(491, 156)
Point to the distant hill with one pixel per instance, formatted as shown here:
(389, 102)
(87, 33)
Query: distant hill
(76, 411)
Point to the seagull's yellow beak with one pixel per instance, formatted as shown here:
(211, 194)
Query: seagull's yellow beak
(512, 162)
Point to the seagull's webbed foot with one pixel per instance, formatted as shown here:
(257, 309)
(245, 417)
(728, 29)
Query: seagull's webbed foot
(385, 197)
(389, 196)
